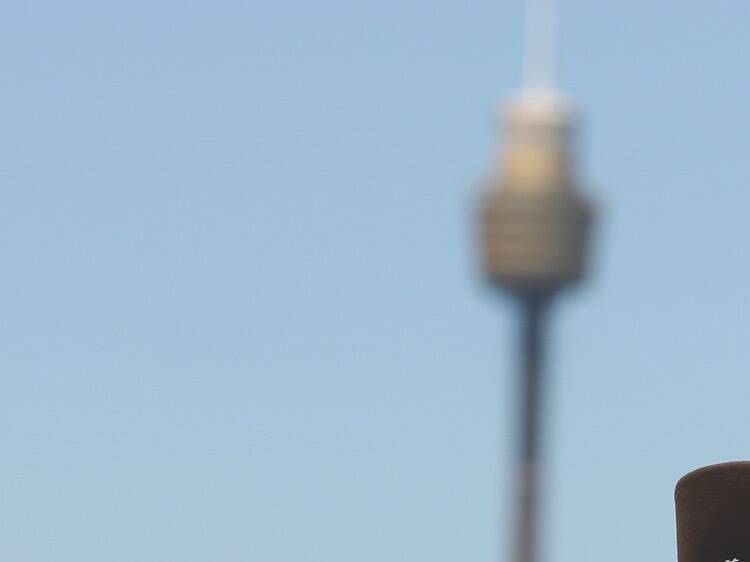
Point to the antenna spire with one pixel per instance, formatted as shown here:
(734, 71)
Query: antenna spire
(541, 45)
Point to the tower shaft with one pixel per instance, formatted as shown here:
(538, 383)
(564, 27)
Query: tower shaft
(533, 310)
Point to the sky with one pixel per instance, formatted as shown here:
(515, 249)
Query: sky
(242, 315)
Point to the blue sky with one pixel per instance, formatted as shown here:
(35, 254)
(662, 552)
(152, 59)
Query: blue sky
(241, 315)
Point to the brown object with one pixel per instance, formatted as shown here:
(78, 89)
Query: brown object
(713, 514)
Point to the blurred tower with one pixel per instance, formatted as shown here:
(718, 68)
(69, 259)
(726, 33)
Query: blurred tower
(535, 226)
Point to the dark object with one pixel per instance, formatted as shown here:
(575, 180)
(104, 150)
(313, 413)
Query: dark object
(713, 514)
(533, 318)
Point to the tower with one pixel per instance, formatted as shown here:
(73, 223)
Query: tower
(534, 235)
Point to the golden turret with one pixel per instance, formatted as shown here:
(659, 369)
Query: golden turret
(534, 221)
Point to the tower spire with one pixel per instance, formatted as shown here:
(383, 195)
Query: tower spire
(541, 45)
